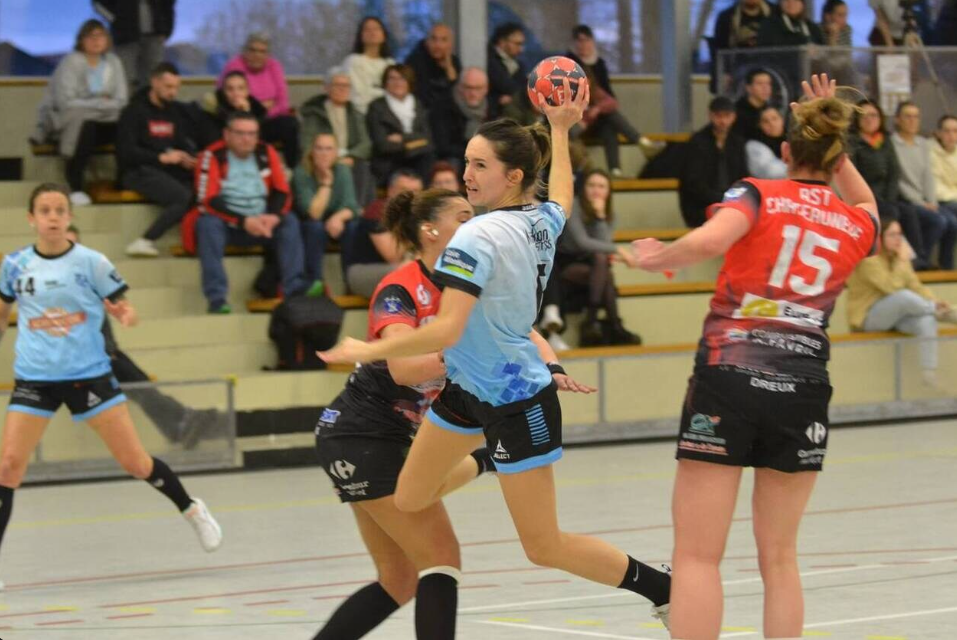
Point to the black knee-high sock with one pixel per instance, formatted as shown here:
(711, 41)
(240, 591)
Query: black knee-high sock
(483, 458)
(365, 610)
(167, 482)
(436, 602)
(647, 581)
(6, 509)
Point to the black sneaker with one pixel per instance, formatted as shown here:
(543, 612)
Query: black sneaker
(622, 336)
(592, 335)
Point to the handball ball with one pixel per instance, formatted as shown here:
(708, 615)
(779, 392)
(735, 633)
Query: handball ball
(546, 79)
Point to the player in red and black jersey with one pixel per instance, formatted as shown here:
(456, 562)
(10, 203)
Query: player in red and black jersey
(759, 394)
(363, 437)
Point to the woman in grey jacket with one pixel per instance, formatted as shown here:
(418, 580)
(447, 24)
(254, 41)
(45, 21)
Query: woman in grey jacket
(83, 102)
(586, 253)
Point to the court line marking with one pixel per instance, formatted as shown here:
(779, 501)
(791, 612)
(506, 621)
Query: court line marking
(569, 632)
(804, 574)
(846, 621)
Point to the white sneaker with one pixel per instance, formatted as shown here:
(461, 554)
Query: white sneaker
(557, 344)
(663, 613)
(551, 319)
(617, 173)
(80, 199)
(208, 531)
(142, 248)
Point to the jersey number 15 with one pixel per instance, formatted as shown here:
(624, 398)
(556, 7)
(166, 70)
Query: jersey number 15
(808, 244)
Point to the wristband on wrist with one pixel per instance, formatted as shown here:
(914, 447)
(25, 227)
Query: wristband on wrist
(555, 368)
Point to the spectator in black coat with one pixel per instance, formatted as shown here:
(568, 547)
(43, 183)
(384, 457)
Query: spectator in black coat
(758, 87)
(232, 97)
(507, 76)
(714, 160)
(790, 27)
(737, 27)
(399, 127)
(456, 119)
(155, 154)
(140, 30)
(435, 67)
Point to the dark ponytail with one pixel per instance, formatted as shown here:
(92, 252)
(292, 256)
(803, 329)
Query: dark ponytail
(517, 147)
(408, 211)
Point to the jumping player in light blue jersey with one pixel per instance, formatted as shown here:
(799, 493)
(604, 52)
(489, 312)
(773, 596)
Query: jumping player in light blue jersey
(494, 271)
(63, 291)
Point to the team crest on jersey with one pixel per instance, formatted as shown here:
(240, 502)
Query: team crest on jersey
(423, 296)
(457, 261)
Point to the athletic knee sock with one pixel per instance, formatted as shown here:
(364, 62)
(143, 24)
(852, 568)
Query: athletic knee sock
(647, 581)
(483, 458)
(365, 610)
(167, 482)
(6, 509)
(436, 602)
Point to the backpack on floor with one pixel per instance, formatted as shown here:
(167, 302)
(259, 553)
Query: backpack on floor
(300, 326)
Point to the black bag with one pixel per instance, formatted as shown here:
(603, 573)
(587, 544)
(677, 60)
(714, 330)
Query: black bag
(300, 326)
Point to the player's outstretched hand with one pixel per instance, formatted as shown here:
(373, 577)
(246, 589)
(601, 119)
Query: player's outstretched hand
(570, 111)
(820, 86)
(647, 252)
(348, 350)
(567, 383)
(123, 311)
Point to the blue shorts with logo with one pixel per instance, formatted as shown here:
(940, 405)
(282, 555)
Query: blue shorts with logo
(520, 435)
(747, 418)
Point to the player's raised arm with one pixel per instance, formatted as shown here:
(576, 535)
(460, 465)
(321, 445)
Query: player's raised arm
(561, 182)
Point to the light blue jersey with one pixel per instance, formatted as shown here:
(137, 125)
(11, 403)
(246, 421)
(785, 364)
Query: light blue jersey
(504, 258)
(60, 312)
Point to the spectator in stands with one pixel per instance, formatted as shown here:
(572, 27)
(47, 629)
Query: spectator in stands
(758, 88)
(434, 66)
(455, 120)
(506, 74)
(444, 175)
(82, 103)
(764, 152)
(334, 112)
(834, 24)
(369, 252)
(944, 162)
(325, 200)
(918, 186)
(603, 116)
(714, 160)
(140, 30)
(399, 127)
(369, 58)
(588, 249)
(884, 294)
(873, 154)
(155, 154)
(737, 26)
(789, 27)
(231, 97)
(244, 200)
(267, 83)
(177, 422)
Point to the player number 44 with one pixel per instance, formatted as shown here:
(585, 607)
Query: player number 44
(808, 244)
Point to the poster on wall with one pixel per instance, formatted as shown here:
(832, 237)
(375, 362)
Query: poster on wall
(893, 80)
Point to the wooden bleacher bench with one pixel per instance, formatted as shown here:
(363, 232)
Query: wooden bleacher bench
(107, 193)
(179, 251)
(629, 235)
(657, 137)
(266, 305)
(50, 149)
(645, 184)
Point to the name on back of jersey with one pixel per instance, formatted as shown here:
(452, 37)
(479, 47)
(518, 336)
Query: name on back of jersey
(809, 208)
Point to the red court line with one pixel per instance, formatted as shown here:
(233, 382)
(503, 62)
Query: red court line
(547, 582)
(479, 586)
(233, 593)
(47, 624)
(129, 615)
(362, 554)
(45, 612)
(257, 604)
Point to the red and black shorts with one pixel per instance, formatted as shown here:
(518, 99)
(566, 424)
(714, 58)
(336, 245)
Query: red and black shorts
(748, 418)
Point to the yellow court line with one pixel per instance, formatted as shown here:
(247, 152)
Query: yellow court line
(287, 613)
(817, 634)
(508, 620)
(586, 623)
(59, 608)
(212, 611)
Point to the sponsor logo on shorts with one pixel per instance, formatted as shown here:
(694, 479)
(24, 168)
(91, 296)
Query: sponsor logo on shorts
(704, 424)
(777, 387)
(356, 488)
(423, 296)
(92, 399)
(500, 452)
(703, 447)
(329, 416)
(794, 342)
(816, 432)
(753, 306)
(811, 456)
(342, 469)
(457, 261)
(27, 394)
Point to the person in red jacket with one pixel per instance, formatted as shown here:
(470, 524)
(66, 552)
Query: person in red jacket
(244, 199)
